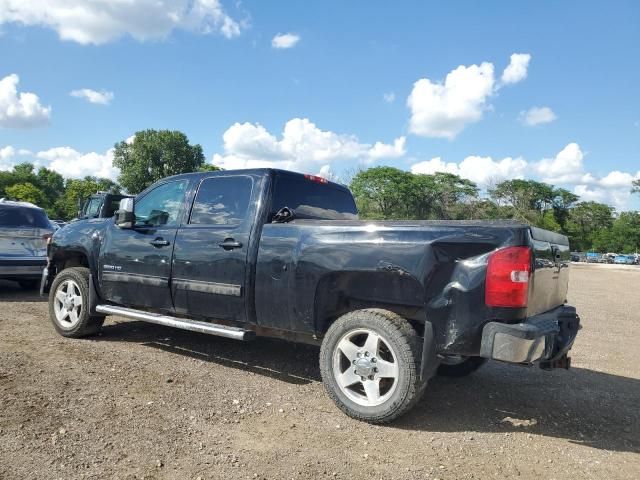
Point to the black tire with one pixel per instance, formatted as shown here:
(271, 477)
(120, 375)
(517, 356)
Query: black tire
(29, 284)
(462, 369)
(87, 324)
(406, 344)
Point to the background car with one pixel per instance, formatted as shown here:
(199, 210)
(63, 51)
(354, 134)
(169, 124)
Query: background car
(24, 231)
(624, 260)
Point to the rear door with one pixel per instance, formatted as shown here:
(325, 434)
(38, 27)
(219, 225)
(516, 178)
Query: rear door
(210, 255)
(135, 264)
(550, 283)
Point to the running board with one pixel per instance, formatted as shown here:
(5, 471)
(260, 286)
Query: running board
(181, 323)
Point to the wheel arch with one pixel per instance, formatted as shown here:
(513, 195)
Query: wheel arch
(63, 259)
(342, 292)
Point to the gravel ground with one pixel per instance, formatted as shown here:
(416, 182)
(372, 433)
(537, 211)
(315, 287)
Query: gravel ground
(142, 401)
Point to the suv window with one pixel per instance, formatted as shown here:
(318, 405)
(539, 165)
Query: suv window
(161, 206)
(11, 216)
(310, 198)
(222, 201)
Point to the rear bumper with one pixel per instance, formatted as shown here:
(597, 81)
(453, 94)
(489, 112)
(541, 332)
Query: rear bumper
(544, 338)
(30, 267)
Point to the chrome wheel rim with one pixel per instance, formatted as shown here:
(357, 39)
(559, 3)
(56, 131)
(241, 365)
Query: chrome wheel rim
(67, 304)
(365, 367)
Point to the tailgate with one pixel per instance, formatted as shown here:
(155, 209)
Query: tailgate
(550, 280)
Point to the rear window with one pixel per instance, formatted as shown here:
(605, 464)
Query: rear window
(23, 217)
(311, 199)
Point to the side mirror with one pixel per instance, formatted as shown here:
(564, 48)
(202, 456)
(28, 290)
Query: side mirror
(125, 216)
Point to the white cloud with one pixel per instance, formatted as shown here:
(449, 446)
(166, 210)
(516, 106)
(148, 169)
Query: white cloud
(285, 40)
(71, 163)
(20, 110)
(565, 169)
(389, 97)
(101, 97)
(481, 170)
(102, 21)
(617, 179)
(517, 68)
(64, 160)
(537, 116)
(303, 147)
(381, 150)
(443, 109)
(7, 152)
(618, 198)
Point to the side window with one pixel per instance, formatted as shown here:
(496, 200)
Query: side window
(222, 201)
(161, 205)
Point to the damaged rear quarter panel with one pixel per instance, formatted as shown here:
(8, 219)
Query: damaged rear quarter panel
(309, 272)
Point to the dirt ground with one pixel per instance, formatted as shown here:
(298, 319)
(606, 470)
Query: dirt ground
(142, 401)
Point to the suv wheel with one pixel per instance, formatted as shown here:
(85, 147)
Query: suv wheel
(370, 365)
(69, 304)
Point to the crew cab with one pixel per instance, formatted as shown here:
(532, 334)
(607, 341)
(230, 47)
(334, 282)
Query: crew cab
(274, 253)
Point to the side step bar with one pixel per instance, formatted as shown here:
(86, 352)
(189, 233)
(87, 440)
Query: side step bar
(167, 321)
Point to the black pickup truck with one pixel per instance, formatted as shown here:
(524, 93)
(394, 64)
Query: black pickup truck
(275, 253)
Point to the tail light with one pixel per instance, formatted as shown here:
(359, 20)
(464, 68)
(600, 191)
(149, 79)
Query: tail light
(507, 281)
(47, 238)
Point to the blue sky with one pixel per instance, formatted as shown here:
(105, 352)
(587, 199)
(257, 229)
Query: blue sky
(210, 70)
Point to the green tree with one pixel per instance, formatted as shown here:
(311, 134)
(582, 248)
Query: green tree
(208, 167)
(381, 192)
(155, 154)
(563, 200)
(26, 192)
(622, 237)
(585, 220)
(528, 198)
(452, 194)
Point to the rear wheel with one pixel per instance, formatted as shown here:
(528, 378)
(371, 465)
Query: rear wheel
(459, 366)
(69, 304)
(370, 365)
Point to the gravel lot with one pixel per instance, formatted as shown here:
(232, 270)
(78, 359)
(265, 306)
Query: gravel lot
(142, 401)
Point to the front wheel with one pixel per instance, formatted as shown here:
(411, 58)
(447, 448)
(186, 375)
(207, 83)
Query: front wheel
(370, 365)
(69, 304)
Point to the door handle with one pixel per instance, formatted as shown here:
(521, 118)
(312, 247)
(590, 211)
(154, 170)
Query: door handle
(159, 242)
(230, 244)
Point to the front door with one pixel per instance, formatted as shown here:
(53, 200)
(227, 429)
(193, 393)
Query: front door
(135, 264)
(210, 255)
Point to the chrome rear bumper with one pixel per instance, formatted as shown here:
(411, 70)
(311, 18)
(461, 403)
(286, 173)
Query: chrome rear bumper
(544, 338)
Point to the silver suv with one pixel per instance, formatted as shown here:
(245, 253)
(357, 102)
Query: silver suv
(24, 231)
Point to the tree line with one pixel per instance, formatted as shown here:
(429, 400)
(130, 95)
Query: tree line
(391, 193)
(380, 193)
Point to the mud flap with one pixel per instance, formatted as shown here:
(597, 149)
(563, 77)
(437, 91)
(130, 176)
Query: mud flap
(94, 299)
(429, 363)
